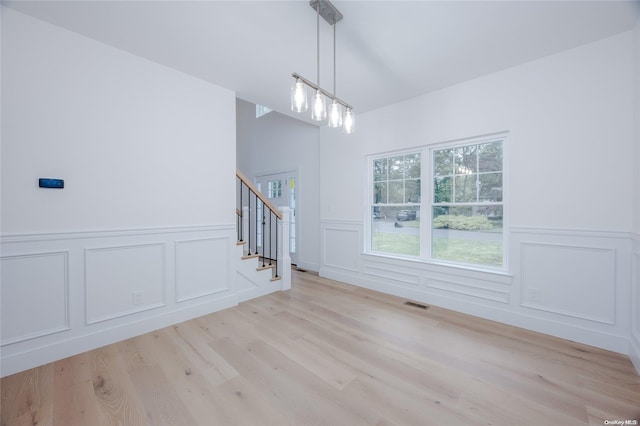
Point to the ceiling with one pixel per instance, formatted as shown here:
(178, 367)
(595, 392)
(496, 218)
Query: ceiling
(387, 51)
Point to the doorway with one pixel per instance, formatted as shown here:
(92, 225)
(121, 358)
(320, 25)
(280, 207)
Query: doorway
(281, 189)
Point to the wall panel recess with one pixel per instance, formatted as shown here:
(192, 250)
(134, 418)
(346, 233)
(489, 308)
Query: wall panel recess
(394, 275)
(570, 280)
(575, 284)
(202, 267)
(342, 248)
(634, 347)
(124, 280)
(34, 300)
(636, 296)
(477, 289)
(67, 293)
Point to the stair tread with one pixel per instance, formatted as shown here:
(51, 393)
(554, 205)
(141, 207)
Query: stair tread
(241, 243)
(276, 278)
(250, 256)
(262, 268)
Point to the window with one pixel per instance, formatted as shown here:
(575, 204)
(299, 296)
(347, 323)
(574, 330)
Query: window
(274, 189)
(262, 110)
(467, 207)
(462, 217)
(395, 207)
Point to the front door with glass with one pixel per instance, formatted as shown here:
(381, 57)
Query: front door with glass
(282, 190)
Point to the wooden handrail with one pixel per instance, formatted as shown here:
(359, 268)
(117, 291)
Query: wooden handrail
(264, 199)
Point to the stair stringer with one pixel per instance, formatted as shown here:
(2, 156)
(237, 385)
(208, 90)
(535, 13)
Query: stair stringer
(251, 282)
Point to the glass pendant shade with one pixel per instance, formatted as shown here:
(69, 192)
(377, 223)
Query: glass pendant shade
(335, 114)
(349, 122)
(299, 102)
(319, 107)
(339, 113)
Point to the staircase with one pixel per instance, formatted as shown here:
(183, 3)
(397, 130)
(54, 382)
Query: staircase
(263, 261)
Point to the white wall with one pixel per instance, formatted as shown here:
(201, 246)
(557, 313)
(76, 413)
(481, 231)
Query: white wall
(636, 169)
(148, 157)
(275, 143)
(136, 143)
(570, 113)
(635, 338)
(569, 119)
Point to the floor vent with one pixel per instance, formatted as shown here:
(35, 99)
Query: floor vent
(416, 305)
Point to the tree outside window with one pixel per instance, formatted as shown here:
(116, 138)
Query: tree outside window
(395, 208)
(467, 204)
(465, 207)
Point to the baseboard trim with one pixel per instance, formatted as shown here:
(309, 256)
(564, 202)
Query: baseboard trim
(541, 325)
(308, 266)
(634, 354)
(64, 348)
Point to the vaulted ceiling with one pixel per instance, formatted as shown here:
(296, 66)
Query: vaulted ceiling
(387, 51)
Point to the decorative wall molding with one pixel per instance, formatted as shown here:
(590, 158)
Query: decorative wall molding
(112, 274)
(565, 232)
(469, 289)
(587, 298)
(16, 358)
(599, 337)
(635, 285)
(398, 276)
(440, 268)
(564, 271)
(201, 267)
(72, 235)
(635, 306)
(345, 251)
(103, 270)
(309, 266)
(45, 292)
(342, 222)
(634, 354)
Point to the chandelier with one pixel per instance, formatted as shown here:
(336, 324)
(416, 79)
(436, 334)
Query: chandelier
(340, 113)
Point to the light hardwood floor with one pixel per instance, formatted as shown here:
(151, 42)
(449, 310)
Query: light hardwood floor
(334, 354)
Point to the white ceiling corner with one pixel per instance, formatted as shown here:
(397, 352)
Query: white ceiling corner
(387, 51)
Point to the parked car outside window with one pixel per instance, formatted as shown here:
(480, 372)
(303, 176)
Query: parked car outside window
(406, 215)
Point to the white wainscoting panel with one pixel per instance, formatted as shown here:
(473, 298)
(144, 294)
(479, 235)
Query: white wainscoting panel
(397, 276)
(634, 350)
(124, 280)
(34, 295)
(66, 293)
(636, 296)
(342, 247)
(202, 268)
(428, 279)
(570, 283)
(570, 280)
(469, 288)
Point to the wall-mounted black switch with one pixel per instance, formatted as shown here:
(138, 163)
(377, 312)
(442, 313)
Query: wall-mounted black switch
(50, 183)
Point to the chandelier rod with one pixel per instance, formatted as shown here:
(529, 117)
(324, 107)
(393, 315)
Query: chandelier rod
(334, 58)
(318, 43)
